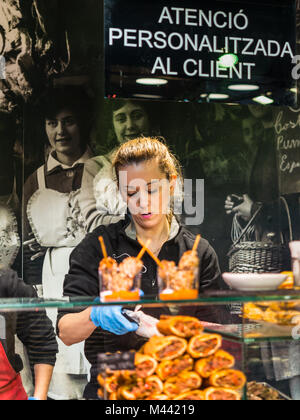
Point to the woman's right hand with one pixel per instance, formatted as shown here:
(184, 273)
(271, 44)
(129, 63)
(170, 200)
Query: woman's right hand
(229, 205)
(243, 210)
(111, 318)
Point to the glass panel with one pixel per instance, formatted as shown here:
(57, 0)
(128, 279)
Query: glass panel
(228, 298)
(171, 379)
(218, 315)
(205, 301)
(265, 358)
(270, 371)
(275, 320)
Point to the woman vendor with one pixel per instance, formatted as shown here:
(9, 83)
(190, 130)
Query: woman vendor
(106, 329)
(54, 226)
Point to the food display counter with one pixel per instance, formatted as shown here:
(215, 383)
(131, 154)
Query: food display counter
(192, 360)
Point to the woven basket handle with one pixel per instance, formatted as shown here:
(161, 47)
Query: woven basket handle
(283, 200)
(286, 206)
(245, 230)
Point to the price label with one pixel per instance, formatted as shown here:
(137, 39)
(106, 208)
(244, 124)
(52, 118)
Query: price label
(116, 361)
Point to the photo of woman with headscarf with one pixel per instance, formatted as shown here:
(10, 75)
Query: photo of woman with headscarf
(53, 225)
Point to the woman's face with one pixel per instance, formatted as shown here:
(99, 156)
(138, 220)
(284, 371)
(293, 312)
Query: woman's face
(64, 133)
(130, 122)
(147, 191)
(252, 131)
(259, 111)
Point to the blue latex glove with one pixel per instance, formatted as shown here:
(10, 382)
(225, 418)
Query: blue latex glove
(33, 399)
(110, 318)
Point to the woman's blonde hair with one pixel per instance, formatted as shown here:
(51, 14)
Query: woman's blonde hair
(144, 149)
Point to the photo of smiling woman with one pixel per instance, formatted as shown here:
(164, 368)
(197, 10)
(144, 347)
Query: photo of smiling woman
(144, 161)
(53, 226)
(130, 119)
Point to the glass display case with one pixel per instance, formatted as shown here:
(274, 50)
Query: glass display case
(263, 337)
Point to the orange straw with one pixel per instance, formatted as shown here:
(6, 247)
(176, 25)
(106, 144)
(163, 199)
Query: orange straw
(104, 252)
(196, 243)
(151, 254)
(143, 250)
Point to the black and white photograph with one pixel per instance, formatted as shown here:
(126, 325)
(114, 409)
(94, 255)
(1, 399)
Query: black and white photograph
(149, 202)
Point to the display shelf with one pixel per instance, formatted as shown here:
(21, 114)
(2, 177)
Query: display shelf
(254, 332)
(212, 298)
(242, 338)
(243, 331)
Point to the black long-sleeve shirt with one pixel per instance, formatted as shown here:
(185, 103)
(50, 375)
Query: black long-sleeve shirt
(33, 328)
(82, 280)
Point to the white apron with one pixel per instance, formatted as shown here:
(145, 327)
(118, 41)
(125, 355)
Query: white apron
(57, 224)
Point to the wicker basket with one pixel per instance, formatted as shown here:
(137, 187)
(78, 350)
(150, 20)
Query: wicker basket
(259, 257)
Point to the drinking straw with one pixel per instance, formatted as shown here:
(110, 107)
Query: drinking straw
(104, 252)
(151, 254)
(196, 243)
(143, 250)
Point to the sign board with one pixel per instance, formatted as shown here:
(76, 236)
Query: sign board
(287, 131)
(180, 43)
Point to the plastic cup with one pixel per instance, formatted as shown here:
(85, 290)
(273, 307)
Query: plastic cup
(179, 285)
(117, 287)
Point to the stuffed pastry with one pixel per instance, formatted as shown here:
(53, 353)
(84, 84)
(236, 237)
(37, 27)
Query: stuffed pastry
(165, 348)
(170, 368)
(145, 365)
(181, 326)
(182, 383)
(228, 378)
(221, 394)
(204, 345)
(220, 360)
